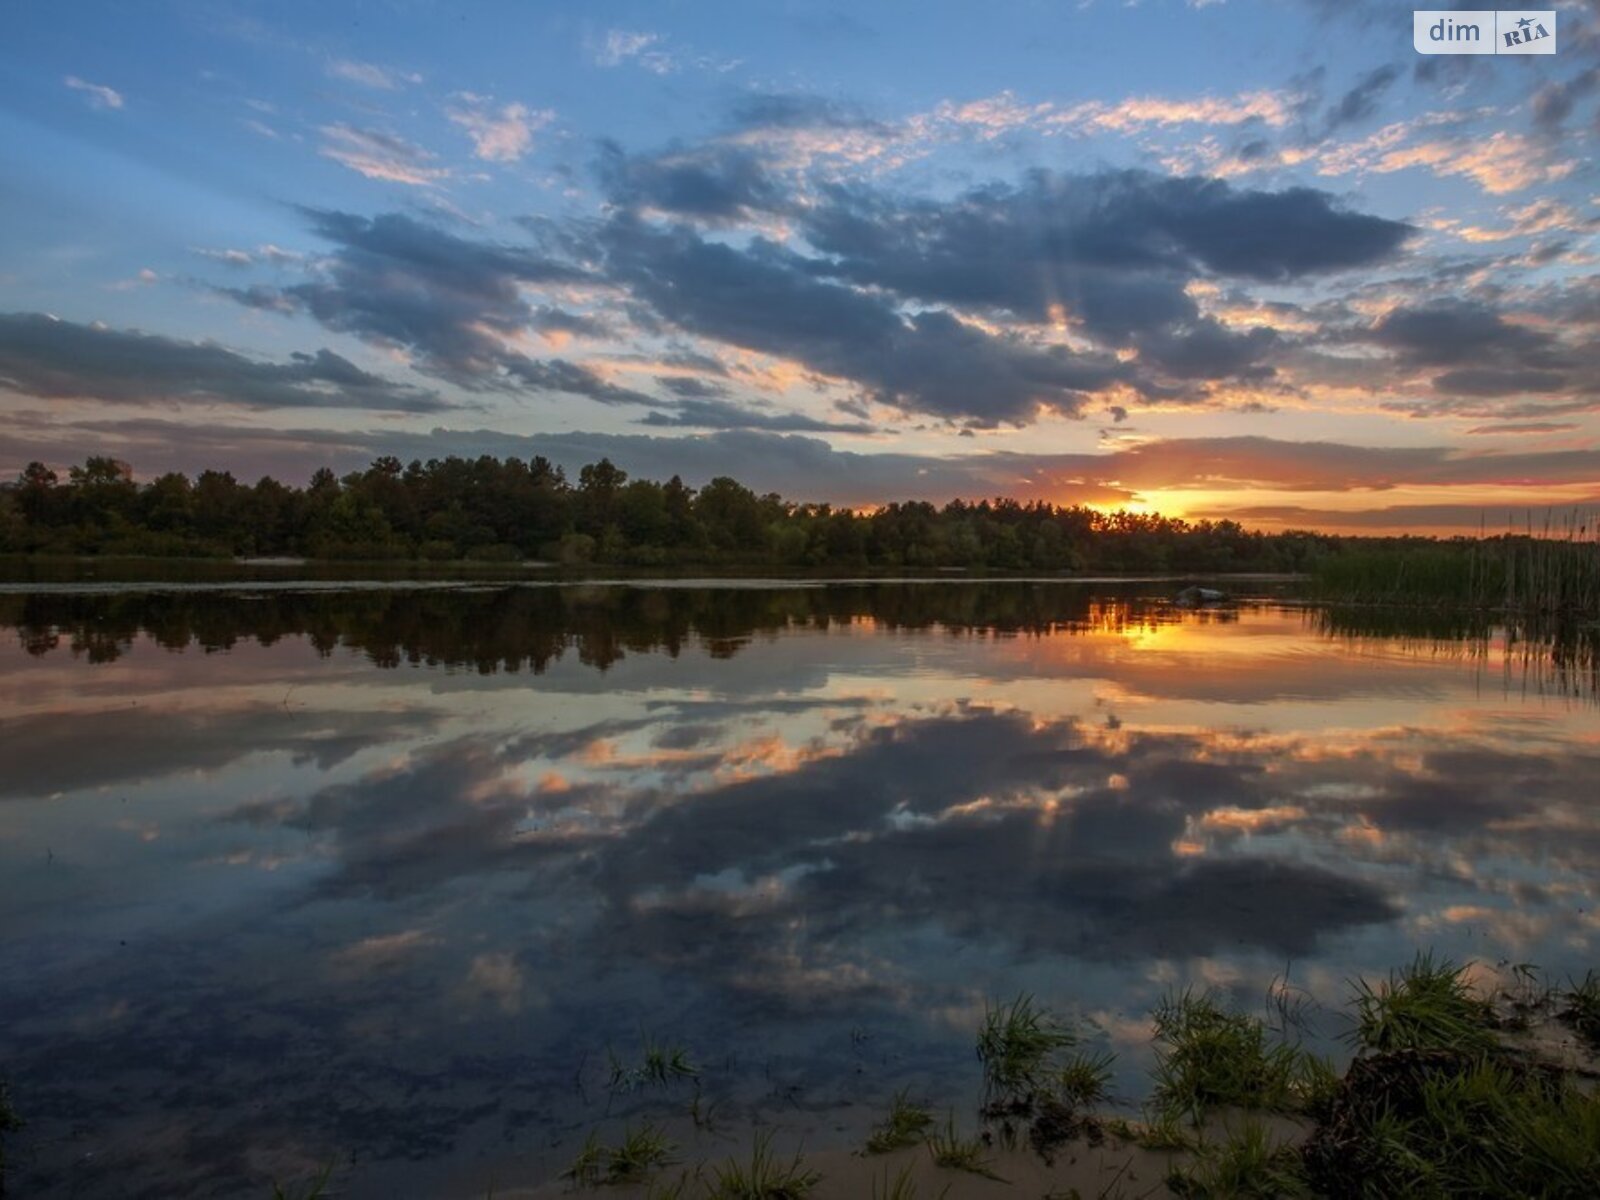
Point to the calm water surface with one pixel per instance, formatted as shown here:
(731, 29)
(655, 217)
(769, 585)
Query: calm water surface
(378, 875)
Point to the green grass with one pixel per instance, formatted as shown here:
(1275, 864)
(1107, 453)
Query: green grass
(906, 1124)
(956, 1153)
(1248, 1165)
(660, 1065)
(587, 1167)
(1017, 1044)
(1207, 1056)
(900, 1186)
(764, 1177)
(1581, 1008)
(1425, 1006)
(1083, 1079)
(1436, 1125)
(641, 1152)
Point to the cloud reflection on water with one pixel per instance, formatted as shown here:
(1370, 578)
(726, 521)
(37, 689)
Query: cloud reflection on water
(762, 820)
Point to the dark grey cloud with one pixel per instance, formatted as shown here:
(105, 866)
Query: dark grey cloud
(797, 110)
(762, 298)
(1114, 251)
(722, 414)
(452, 302)
(54, 359)
(1021, 248)
(1553, 103)
(1476, 355)
(689, 387)
(1361, 100)
(715, 183)
(1458, 332)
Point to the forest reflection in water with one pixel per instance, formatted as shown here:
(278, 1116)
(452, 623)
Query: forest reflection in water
(383, 872)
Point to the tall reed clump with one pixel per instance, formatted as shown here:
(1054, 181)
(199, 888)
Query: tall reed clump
(1547, 573)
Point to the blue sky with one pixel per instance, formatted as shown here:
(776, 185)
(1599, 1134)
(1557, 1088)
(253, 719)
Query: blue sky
(1243, 258)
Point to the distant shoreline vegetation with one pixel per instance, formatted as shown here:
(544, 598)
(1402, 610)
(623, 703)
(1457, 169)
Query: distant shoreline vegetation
(510, 510)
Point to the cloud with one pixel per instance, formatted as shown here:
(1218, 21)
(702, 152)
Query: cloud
(53, 359)
(1472, 351)
(712, 183)
(620, 46)
(457, 305)
(1499, 163)
(1113, 253)
(1553, 103)
(370, 74)
(1273, 109)
(503, 134)
(762, 300)
(98, 95)
(380, 155)
(1361, 100)
(720, 414)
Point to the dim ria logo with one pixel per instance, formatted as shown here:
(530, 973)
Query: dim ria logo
(1516, 31)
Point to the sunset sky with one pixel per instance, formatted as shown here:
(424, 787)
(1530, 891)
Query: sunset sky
(1220, 258)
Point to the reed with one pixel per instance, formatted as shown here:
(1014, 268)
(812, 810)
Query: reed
(1551, 572)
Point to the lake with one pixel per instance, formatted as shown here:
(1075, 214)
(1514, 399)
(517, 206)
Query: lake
(392, 875)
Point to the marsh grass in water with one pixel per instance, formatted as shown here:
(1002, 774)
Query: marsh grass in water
(901, 1186)
(660, 1065)
(1017, 1045)
(956, 1153)
(906, 1124)
(1551, 571)
(1248, 1164)
(1084, 1078)
(641, 1152)
(765, 1176)
(1207, 1056)
(1581, 1008)
(1426, 1006)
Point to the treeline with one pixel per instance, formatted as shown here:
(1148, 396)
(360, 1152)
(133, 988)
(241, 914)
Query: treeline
(510, 509)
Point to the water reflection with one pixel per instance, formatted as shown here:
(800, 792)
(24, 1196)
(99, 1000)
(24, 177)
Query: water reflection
(382, 873)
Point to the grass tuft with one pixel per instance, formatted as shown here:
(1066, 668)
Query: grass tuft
(764, 1177)
(660, 1065)
(905, 1125)
(901, 1186)
(956, 1153)
(1248, 1165)
(1207, 1056)
(1425, 1006)
(641, 1152)
(1084, 1079)
(1581, 1008)
(1016, 1045)
(1432, 1123)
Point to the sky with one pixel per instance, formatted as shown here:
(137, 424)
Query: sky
(1245, 259)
